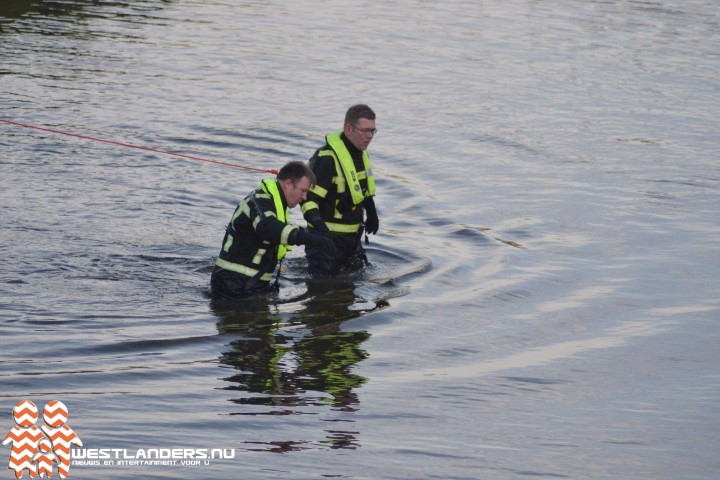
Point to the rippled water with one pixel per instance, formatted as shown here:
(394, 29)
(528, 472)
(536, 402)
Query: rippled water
(543, 295)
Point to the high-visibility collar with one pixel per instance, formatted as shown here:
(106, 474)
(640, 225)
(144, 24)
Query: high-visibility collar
(348, 167)
(270, 186)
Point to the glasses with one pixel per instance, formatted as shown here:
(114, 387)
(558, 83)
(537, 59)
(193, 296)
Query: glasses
(365, 131)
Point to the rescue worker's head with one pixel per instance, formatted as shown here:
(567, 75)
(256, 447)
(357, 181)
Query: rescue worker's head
(359, 126)
(295, 179)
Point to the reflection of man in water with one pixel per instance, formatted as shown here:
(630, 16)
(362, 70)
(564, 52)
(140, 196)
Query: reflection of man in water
(285, 366)
(326, 361)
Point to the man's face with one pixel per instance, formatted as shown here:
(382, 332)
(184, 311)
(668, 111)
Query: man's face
(361, 133)
(295, 192)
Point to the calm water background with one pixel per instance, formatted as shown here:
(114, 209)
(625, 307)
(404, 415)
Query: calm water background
(544, 295)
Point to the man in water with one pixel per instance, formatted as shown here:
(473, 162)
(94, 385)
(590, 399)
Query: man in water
(340, 205)
(259, 235)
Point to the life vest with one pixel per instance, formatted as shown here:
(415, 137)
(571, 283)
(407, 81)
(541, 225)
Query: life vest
(343, 157)
(270, 186)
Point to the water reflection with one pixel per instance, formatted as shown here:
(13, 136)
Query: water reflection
(16, 8)
(19, 8)
(286, 363)
(83, 9)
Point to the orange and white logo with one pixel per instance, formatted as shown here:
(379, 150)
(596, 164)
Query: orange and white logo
(44, 458)
(53, 441)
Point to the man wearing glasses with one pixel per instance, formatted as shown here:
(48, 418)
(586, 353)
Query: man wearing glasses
(340, 204)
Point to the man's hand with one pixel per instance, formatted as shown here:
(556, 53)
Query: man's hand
(325, 243)
(372, 222)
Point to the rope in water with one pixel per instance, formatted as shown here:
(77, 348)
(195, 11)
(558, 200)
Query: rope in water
(139, 147)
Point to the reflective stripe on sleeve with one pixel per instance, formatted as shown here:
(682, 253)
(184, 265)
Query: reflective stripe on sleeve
(285, 235)
(309, 205)
(229, 243)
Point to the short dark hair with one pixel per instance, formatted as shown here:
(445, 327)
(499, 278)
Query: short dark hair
(295, 171)
(356, 112)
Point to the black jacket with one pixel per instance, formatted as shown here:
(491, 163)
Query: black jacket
(249, 253)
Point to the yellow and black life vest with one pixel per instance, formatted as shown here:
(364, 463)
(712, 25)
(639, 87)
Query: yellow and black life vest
(343, 157)
(346, 179)
(270, 186)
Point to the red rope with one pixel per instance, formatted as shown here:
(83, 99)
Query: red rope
(140, 147)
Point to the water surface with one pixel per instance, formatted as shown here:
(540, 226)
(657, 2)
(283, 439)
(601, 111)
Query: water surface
(543, 295)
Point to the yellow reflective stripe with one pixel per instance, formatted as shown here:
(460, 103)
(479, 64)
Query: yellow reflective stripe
(242, 208)
(319, 191)
(285, 235)
(242, 269)
(343, 227)
(258, 256)
(309, 205)
(339, 179)
(340, 183)
(270, 185)
(255, 222)
(228, 244)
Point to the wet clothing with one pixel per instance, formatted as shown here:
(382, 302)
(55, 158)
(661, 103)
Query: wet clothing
(257, 237)
(337, 203)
